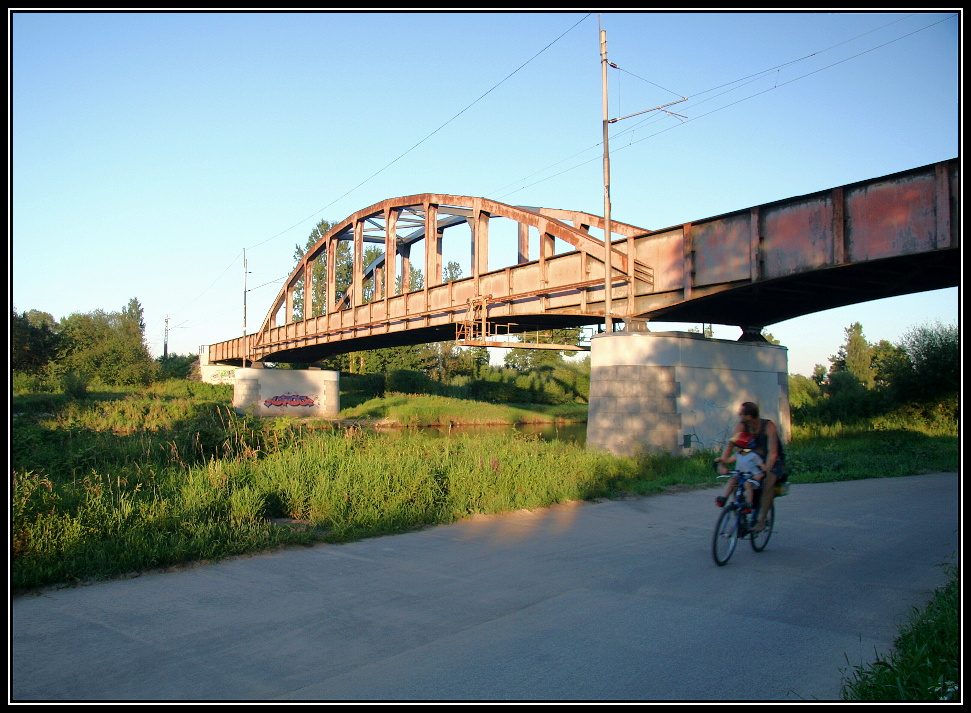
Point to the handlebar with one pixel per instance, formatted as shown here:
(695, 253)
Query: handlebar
(729, 471)
(742, 477)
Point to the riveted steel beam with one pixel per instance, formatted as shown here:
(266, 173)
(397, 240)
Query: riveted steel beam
(883, 237)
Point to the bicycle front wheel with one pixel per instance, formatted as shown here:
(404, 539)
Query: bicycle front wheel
(761, 539)
(726, 536)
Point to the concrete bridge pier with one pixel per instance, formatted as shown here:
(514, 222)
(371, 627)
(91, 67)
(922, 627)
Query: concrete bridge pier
(679, 391)
(310, 393)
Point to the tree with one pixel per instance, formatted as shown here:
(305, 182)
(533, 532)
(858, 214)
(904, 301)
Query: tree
(855, 356)
(803, 391)
(319, 271)
(472, 360)
(370, 289)
(888, 362)
(451, 272)
(441, 360)
(933, 369)
(41, 320)
(450, 360)
(416, 281)
(417, 357)
(133, 318)
(176, 366)
(819, 374)
(108, 346)
(33, 341)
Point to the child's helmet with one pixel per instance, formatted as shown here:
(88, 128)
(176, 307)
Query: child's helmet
(742, 439)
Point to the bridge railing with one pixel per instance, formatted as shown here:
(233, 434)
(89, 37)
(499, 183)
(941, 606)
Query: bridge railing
(569, 283)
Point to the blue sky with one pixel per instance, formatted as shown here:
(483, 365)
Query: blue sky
(148, 150)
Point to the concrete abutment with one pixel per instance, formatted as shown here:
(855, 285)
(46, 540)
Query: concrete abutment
(306, 393)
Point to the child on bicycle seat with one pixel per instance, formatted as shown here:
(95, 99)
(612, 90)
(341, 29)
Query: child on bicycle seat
(746, 461)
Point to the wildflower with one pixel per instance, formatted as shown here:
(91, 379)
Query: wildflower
(945, 690)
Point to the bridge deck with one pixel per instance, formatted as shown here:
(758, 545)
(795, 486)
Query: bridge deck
(882, 237)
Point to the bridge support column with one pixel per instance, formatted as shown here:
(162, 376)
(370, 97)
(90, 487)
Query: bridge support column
(310, 393)
(678, 391)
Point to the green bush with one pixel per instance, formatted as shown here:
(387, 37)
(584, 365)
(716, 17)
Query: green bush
(33, 383)
(406, 381)
(358, 388)
(74, 384)
(803, 391)
(920, 374)
(175, 366)
(933, 366)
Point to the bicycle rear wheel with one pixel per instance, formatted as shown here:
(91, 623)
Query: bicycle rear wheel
(726, 535)
(761, 539)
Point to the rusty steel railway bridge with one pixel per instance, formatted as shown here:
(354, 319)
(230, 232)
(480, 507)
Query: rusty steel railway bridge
(882, 237)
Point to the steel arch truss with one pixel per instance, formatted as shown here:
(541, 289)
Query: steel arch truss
(378, 299)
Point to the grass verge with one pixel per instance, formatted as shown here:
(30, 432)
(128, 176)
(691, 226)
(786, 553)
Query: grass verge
(169, 475)
(425, 410)
(119, 483)
(923, 665)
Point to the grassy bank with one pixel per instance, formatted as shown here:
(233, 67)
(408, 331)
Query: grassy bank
(129, 482)
(858, 453)
(923, 665)
(86, 513)
(122, 482)
(423, 410)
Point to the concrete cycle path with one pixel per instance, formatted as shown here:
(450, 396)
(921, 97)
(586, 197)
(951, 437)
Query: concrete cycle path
(616, 600)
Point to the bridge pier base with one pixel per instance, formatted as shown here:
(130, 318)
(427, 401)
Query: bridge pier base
(312, 393)
(679, 391)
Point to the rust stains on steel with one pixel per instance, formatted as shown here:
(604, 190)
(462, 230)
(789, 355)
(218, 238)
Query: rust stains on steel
(881, 237)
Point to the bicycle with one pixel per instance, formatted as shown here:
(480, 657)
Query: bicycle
(733, 523)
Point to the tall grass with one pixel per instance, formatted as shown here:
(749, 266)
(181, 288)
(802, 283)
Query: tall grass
(834, 453)
(101, 520)
(923, 665)
(360, 483)
(154, 479)
(128, 482)
(429, 410)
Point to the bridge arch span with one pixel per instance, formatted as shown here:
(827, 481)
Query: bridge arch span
(418, 217)
(882, 237)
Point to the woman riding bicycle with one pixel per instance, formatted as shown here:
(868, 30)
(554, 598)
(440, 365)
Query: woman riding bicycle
(769, 446)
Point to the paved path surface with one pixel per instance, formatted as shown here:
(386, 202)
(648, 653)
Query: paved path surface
(598, 601)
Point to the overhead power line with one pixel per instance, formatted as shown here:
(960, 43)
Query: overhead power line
(742, 81)
(398, 158)
(442, 126)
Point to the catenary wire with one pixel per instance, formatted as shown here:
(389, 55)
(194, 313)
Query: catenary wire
(402, 155)
(747, 80)
(442, 126)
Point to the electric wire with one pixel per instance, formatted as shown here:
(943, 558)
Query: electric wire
(201, 294)
(794, 79)
(749, 79)
(442, 126)
(398, 158)
(735, 84)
